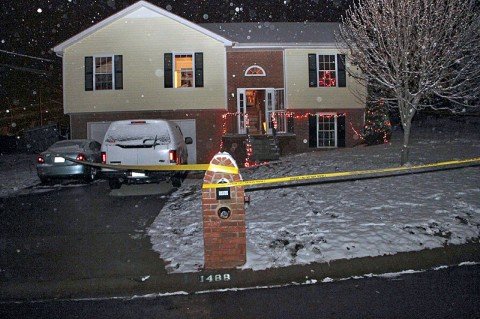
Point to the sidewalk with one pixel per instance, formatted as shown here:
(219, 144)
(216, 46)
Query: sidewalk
(162, 283)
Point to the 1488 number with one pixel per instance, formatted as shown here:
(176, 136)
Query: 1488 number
(215, 278)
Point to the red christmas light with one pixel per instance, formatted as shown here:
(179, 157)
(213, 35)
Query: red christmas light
(327, 80)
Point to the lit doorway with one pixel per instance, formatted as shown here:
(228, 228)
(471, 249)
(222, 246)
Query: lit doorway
(262, 107)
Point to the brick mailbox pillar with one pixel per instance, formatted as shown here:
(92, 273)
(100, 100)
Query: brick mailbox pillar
(224, 230)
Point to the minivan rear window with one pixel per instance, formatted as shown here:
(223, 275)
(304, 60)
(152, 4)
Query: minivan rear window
(144, 133)
(70, 143)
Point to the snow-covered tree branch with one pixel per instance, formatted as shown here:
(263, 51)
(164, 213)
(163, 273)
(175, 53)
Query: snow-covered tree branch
(416, 53)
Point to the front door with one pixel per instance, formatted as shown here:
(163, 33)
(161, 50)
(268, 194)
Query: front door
(274, 107)
(251, 111)
(242, 111)
(260, 107)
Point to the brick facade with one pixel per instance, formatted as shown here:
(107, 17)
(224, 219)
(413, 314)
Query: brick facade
(225, 241)
(239, 61)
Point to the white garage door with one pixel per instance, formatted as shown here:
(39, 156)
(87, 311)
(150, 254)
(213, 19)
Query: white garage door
(189, 130)
(97, 130)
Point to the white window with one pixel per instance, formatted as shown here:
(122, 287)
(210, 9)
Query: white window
(326, 130)
(327, 73)
(326, 70)
(255, 70)
(103, 73)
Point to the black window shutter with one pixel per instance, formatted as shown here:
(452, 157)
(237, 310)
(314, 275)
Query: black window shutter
(199, 69)
(88, 73)
(168, 70)
(118, 63)
(341, 130)
(312, 70)
(342, 73)
(312, 131)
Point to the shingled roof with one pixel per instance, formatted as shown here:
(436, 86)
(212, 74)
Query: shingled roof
(276, 34)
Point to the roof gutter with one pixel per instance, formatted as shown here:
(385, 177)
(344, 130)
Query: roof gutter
(237, 45)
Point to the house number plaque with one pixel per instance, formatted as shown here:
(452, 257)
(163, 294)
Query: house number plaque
(214, 278)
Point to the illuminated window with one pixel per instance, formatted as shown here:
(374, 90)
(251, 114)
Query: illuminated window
(327, 75)
(183, 70)
(255, 70)
(326, 70)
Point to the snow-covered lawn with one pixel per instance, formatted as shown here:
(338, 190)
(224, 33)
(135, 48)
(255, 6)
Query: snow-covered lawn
(351, 219)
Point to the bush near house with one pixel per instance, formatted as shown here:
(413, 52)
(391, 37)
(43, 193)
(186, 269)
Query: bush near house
(377, 129)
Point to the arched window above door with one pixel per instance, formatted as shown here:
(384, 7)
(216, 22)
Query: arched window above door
(255, 70)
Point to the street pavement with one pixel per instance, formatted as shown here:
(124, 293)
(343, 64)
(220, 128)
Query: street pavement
(452, 292)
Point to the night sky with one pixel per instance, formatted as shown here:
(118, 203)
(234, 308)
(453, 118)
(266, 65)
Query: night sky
(30, 29)
(35, 26)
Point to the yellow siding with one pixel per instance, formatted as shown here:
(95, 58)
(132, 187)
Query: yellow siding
(301, 96)
(143, 42)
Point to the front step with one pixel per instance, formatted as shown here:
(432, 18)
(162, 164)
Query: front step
(254, 124)
(264, 148)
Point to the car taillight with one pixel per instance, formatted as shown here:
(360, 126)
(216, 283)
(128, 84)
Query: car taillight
(40, 160)
(81, 157)
(104, 158)
(173, 156)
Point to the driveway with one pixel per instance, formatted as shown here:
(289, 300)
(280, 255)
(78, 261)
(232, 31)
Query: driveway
(79, 234)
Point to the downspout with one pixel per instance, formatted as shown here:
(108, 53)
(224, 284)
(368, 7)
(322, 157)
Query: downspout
(60, 55)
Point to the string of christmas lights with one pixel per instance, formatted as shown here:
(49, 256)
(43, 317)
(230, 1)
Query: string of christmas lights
(249, 162)
(377, 128)
(289, 114)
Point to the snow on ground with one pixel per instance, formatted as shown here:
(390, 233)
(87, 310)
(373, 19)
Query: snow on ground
(18, 172)
(343, 220)
(18, 175)
(331, 221)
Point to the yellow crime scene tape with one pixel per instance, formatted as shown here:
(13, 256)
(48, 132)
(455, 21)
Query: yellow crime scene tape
(235, 170)
(184, 167)
(342, 174)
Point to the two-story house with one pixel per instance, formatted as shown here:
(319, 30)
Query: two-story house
(223, 83)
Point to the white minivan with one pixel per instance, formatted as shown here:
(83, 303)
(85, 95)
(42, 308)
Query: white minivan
(144, 143)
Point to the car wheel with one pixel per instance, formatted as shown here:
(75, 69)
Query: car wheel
(114, 183)
(45, 181)
(91, 174)
(176, 181)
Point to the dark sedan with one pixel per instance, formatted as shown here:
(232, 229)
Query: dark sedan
(52, 164)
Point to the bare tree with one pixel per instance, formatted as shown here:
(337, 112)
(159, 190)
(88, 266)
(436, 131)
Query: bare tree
(417, 53)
